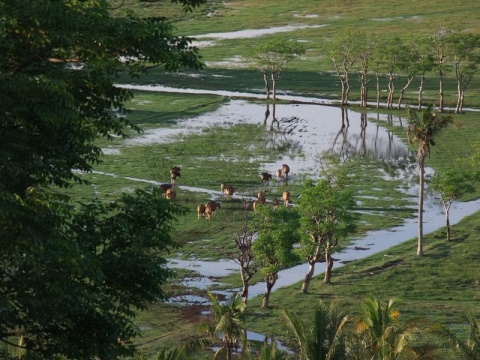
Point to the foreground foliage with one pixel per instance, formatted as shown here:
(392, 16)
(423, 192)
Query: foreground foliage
(71, 274)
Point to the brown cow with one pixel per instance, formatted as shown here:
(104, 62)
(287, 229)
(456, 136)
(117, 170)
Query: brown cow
(261, 197)
(285, 170)
(286, 197)
(254, 205)
(170, 194)
(275, 203)
(165, 187)
(228, 190)
(266, 177)
(278, 173)
(201, 210)
(210, 208)
(174, 173)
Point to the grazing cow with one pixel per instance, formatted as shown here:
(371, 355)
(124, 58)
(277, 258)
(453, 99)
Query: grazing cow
(261, 197)
(279, 174)
(201, 210)
(174, 173)
(210, 208)
(286, 197)
(256, 204)
(266, 177)
(165, 187)
(170, 194)
(275, 203)
(227, 190)
(285, 170)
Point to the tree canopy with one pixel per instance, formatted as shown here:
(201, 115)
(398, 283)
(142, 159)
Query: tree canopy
(72, 275)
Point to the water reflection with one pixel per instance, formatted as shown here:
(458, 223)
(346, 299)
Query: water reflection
(379, 144)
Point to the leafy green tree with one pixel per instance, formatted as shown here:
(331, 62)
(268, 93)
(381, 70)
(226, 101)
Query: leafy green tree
(226, 324)
(420, 47)
(343, 52)
(277, 232)
(451, 186)
(384, 337)
(365, 49)
(422, 129)
(392, 61)
(439, 47)
(464, 55)
(72, 276)
(272, 57)
(321, 339)
(327, 217)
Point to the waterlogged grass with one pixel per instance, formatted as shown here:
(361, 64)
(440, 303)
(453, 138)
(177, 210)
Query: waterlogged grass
(442, 285)
(226, 59)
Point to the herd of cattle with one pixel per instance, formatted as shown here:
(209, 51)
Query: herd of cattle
(206, 210)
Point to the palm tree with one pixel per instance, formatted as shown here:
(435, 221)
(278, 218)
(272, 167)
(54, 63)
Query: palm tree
(469, 349)
(323, 339)
(423, 127)
(383, 337)
(226, 325)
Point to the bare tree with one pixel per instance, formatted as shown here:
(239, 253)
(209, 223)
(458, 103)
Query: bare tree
(243, 241)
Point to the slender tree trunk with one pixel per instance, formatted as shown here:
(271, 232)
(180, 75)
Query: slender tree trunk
(402, 92)
(328, 270)
(447, 218)
(308, 276)
(269, 282)
(344, 90)
(245, 282)
(274, 87)
(229, 351)
(311, 270)
(420, 207)
(459, 96)
(267, 87)
(391, 91)
(462, 100)
(441, 92)
(420, 91)
(364, 91)
(347, 90)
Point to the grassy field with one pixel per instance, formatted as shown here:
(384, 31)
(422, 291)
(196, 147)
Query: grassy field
(442, 285)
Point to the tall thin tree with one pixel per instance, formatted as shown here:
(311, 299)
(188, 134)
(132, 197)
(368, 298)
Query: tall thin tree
(422, 129)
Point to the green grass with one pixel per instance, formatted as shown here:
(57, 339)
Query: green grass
(431, 282)
(441, 285)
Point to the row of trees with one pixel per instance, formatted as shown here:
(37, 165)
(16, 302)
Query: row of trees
(372, 331)
(399, 60)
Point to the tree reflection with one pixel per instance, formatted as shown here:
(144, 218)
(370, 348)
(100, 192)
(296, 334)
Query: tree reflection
(278, 137)
(377, 145)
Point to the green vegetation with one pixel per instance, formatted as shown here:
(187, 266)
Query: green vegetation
(80, 248)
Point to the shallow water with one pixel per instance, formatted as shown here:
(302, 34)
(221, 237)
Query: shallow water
(316, 128)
